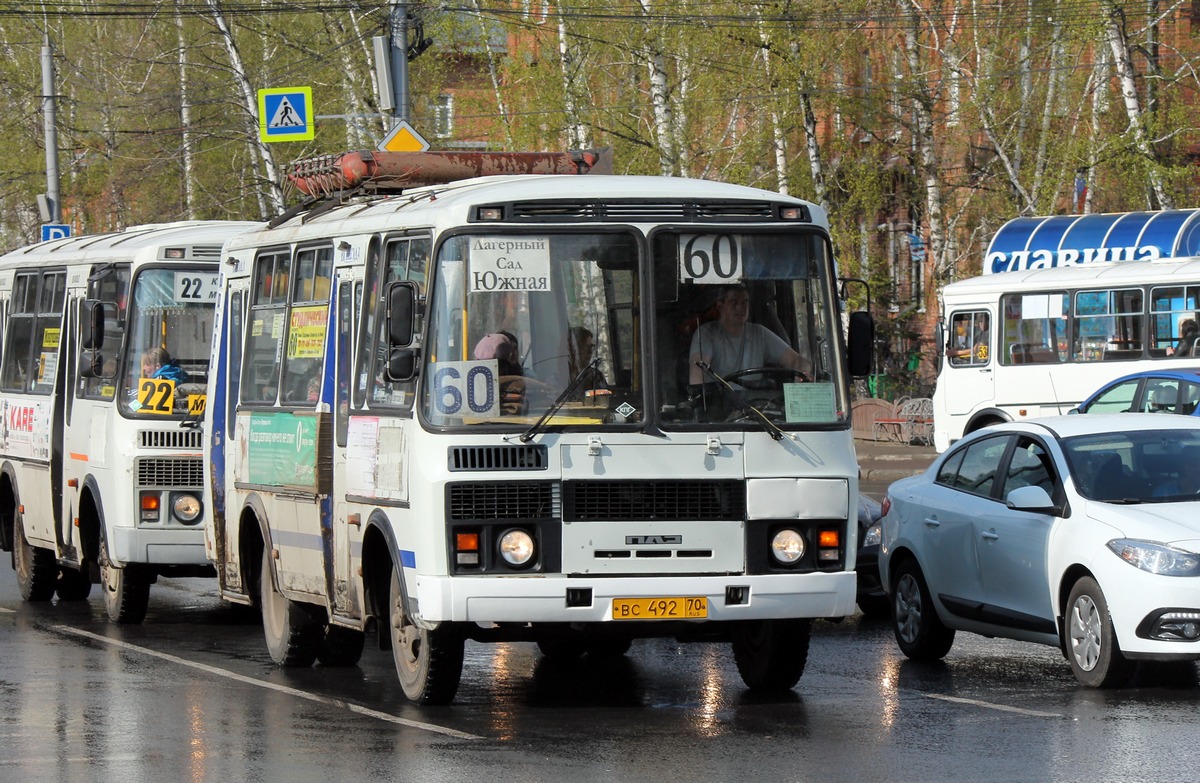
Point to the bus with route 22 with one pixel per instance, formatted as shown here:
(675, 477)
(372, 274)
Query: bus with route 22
(465, 411)
(1065, 304)
(100, 474)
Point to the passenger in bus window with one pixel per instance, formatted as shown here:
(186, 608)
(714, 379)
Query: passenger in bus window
(157, 363)
(1187, 338)
(977, 350)
(731, 343)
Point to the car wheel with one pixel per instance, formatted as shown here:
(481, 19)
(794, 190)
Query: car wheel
(919, 631)
(126, 591)
(1092, 645)
(293, 637)
(771, 654)
(428, 662)
(37, 573)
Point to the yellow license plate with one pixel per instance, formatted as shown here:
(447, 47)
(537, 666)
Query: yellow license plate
(660, 608)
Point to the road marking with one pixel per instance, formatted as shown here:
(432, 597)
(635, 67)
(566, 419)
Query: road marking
(990, 706)
(345, 705)
(7, 611)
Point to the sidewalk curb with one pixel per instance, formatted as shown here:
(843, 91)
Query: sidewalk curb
(887, 474)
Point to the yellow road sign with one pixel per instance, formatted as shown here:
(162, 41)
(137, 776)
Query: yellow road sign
(403, 138)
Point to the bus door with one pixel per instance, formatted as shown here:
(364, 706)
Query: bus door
(346, 601)
(969, 357)
(286, 453)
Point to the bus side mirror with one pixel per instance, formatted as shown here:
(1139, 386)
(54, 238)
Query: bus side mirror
(401, 314)
(90, 364)
(860, 343)
(91, 324)
(401, 364)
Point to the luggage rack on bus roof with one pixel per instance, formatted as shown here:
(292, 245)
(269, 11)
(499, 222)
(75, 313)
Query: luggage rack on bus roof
(328, 180)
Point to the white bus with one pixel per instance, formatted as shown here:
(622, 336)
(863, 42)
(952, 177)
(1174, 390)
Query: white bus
(100, 474)
(1066, 304)
(408, 434)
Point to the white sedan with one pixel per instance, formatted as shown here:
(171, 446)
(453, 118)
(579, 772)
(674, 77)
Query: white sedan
(1081, 532)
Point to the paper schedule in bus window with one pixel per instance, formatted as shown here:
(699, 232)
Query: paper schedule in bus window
(812, 402)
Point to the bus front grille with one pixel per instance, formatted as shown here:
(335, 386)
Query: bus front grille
(184, 472)
(497, 458)
(502, 500)
(668, 500)
(188, 440)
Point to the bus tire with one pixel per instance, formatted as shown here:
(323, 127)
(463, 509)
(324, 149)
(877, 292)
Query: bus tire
(73, 585)
(37, 573)
(428, 663)
(126, 590)
(293, 637)
(340, 646)
(771, 654)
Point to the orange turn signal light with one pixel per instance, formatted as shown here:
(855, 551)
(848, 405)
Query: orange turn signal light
(828, 538)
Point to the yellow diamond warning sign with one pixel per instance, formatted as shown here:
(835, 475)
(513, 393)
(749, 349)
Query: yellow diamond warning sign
(403, 138)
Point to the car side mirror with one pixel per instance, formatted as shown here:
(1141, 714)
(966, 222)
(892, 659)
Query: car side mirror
(1033, 499)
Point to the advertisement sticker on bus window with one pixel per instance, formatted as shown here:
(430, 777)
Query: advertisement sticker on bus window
(306, 338)
(809, 402)
(710, 259)
(466, 388)
(50, 338)
(195, 287)
(47, 368)
(277, 326)
(513, 263)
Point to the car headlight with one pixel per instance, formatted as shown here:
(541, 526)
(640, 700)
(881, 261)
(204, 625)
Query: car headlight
(516, 547)
(873, 536)
(186, 508)
(1156, 558)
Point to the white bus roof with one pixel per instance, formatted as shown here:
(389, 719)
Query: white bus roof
(86, 248)
(1185, 270)
(441, 206)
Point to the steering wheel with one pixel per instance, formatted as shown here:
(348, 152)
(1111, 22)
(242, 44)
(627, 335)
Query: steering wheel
(779, 375)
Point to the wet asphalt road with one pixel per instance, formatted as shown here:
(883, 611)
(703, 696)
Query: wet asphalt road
(192, 696)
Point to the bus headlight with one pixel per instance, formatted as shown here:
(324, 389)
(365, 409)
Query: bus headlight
(516, 547)
(787, 546)
(186, 508)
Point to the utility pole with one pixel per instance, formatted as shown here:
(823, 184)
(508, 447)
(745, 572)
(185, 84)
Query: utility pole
(399, 51)
(52, 211)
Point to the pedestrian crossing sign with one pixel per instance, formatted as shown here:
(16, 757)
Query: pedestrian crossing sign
(285, 114)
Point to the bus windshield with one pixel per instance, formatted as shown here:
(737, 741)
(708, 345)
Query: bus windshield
(742, 319)
(517, 319)
(170, 327)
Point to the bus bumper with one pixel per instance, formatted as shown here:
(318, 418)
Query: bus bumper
(165, 547)
(534, 599)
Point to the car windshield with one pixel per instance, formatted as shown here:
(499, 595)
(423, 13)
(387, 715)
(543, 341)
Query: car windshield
(1159, 466)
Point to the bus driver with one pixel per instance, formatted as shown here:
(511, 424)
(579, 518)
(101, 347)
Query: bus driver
(731, 343)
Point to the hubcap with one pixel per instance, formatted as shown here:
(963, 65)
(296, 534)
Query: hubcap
(908, 608)
(1085, 633)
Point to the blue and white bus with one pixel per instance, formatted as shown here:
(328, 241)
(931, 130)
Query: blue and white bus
(1065, 304)
(464, 413)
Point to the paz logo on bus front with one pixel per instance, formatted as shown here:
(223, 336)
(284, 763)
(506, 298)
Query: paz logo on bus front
(285, 114)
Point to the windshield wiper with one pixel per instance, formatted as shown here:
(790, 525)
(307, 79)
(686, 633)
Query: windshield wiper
(741, 402)
(563, 396)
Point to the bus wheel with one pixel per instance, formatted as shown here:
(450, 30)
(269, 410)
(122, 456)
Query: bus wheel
(771, 654)
(428, 663)
(126, 591)
(73, 585)
(293, 637)
(37, 572)
(340, 646)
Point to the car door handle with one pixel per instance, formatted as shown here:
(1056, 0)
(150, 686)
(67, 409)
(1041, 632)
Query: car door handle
(990, 535)
(932, 522)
